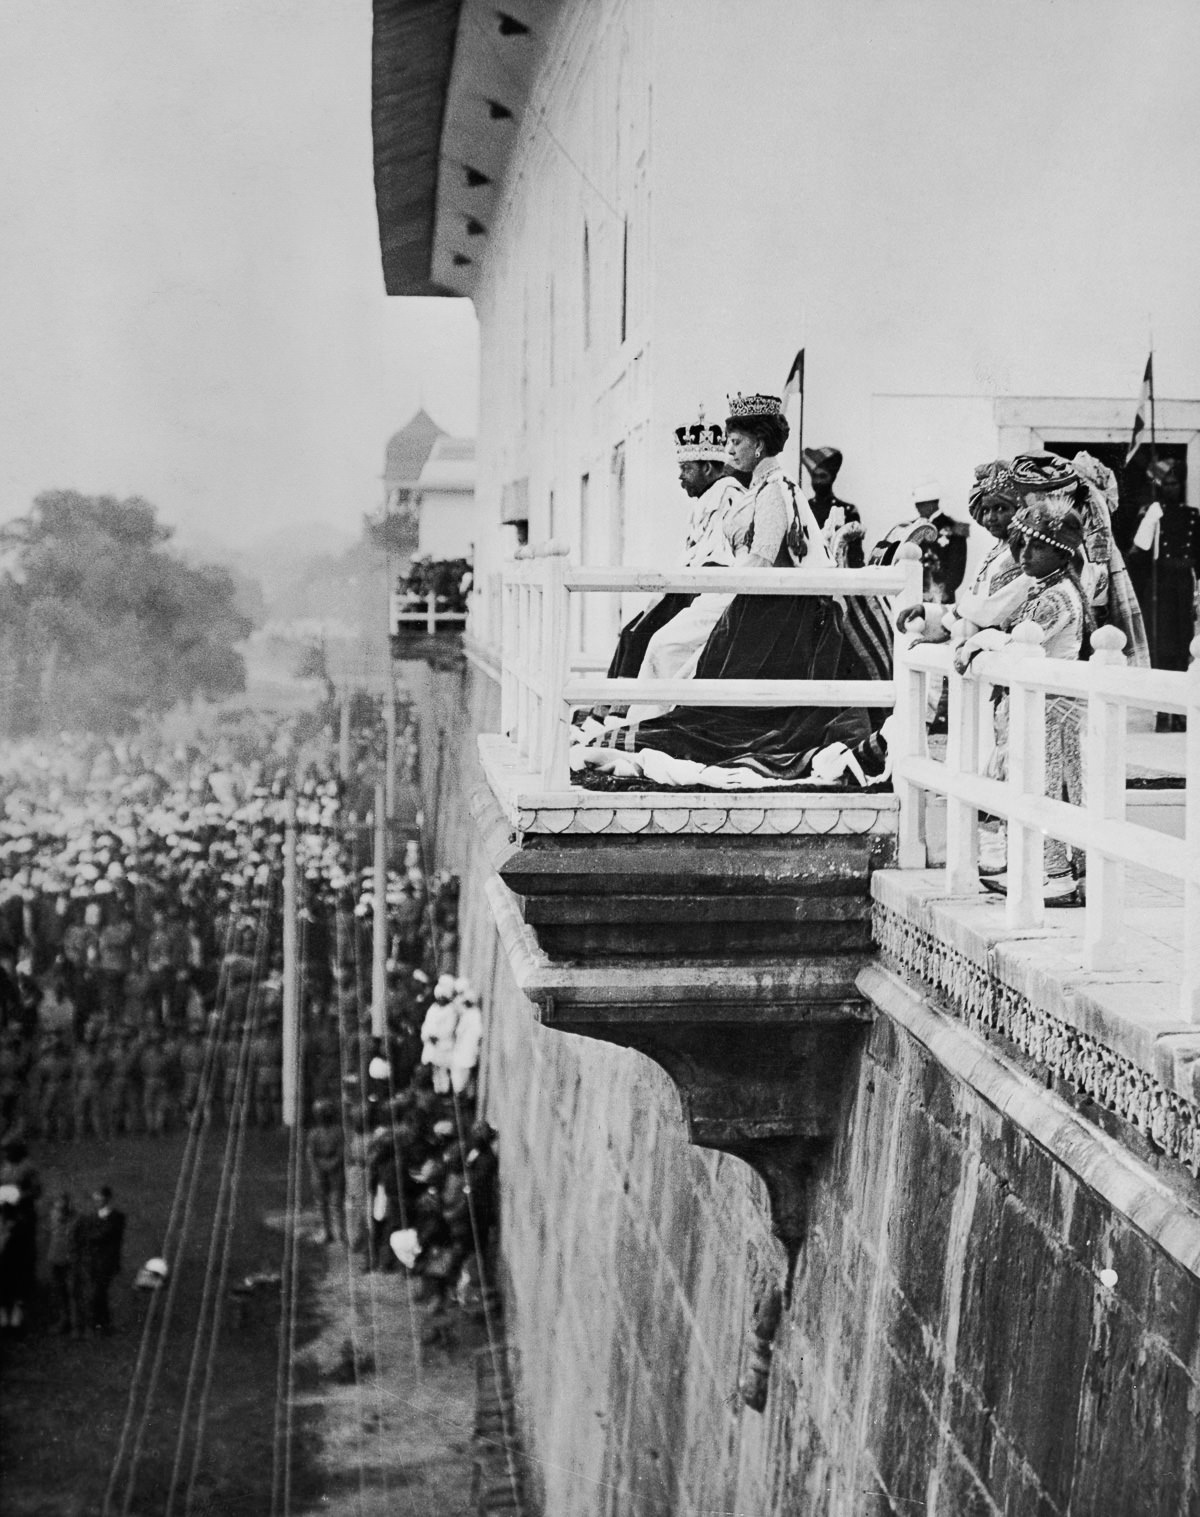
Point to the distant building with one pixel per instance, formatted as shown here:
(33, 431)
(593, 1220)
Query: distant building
(429, 483)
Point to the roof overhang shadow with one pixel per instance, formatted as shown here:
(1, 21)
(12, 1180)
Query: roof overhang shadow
(449, 81)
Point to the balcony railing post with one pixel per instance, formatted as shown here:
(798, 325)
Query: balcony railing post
(1026, 777)
(508, 656)
(909, 718)
(524, 637)
(431, 613)
(1190, 990)
(962, 757)
(530, 608)
(556, 659)
(1104, 767)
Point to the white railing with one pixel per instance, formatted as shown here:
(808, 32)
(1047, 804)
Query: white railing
(1099, 828)
(422, 612)
(538, 691)
(541, 683)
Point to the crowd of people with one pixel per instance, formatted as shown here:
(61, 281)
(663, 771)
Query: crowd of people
(142, 989)
(447, 580)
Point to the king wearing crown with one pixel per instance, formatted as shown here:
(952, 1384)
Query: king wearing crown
(664, 639)
(700, 443)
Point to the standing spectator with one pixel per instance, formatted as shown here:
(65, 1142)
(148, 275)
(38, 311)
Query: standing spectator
(482, 1188)
(78, 951)
(54, 1084)
(116, 941)
(125, 1086)
(101, 1234)
(91, 1111)
(326, 1168)
(437, 1033)
(20, 1187)
(1164, 561)
(267, 1064)
(942, 540)
(152, 1065)
(191, 1064)
(357, 1196)
(63, 1257)
(468, 1039)
(231, 1058)
(830, 512)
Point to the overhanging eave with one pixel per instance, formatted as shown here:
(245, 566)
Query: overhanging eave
(450, 82)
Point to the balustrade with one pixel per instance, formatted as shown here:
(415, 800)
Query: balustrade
(1099, 828)
(539, 692)
(542, 682)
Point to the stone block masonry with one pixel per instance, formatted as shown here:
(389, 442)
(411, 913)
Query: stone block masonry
(973, 1326)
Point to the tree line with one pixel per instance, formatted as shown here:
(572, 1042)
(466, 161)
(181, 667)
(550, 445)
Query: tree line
(102, 624)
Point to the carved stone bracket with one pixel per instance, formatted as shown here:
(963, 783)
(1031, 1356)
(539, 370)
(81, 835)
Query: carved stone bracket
(760, 1073)
(730, 962)
(772, 1094)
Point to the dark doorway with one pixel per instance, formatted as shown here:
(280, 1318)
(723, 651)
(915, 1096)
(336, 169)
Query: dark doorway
(1133, 481)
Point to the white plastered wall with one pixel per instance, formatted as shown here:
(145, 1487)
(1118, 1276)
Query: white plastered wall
(947, 205)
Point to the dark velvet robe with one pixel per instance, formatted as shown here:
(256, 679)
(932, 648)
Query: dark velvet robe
(763, 637)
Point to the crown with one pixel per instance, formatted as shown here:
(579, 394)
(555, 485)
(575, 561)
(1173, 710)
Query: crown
(702, 442)
(754, 405)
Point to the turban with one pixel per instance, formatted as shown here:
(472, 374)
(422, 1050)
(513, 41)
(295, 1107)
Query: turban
(1164, 470)
(1099, 479)
(993, 481)
(1044, 476)
(823, 458)
(1056, 527)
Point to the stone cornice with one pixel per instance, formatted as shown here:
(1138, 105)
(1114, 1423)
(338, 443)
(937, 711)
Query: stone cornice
(713, 813)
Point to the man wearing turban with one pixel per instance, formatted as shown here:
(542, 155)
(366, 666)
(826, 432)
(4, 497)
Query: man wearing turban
(833, 515)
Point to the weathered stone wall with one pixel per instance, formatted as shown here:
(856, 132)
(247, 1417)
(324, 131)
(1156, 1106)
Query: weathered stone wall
(948, 1345)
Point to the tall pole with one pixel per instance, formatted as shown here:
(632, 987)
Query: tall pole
(344, 737)
(389, 772)
(379, 944)
(800, 438)
(291, 972)
(1158, 525)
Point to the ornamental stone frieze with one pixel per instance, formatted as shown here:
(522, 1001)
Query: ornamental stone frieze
(1096, 1037)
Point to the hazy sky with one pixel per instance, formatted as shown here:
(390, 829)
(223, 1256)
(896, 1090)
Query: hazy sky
(193, 308)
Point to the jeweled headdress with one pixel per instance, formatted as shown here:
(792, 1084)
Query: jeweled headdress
(742, 407)
(1055, 526)
(702, 442)
(993, 481)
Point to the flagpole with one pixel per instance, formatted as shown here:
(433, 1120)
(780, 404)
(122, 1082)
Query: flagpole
(800, 441)
(1157, 524)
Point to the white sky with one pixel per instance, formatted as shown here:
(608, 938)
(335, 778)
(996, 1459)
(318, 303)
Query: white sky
(193, 306)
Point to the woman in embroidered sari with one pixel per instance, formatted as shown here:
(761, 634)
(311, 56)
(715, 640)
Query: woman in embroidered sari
(1048, 592)
(994, 502)
(765, 636)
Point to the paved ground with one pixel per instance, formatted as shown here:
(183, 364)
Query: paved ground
(396, 1439)
(63, 1402)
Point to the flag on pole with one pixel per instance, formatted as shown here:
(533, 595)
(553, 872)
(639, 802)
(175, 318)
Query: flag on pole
(1143, 410)
(794, 383)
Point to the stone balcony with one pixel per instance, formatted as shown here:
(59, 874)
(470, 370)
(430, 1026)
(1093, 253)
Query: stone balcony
(427, 634)
(728, 934)
(720, 934)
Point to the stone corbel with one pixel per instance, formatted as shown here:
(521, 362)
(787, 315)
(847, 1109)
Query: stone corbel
(762, 1059)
